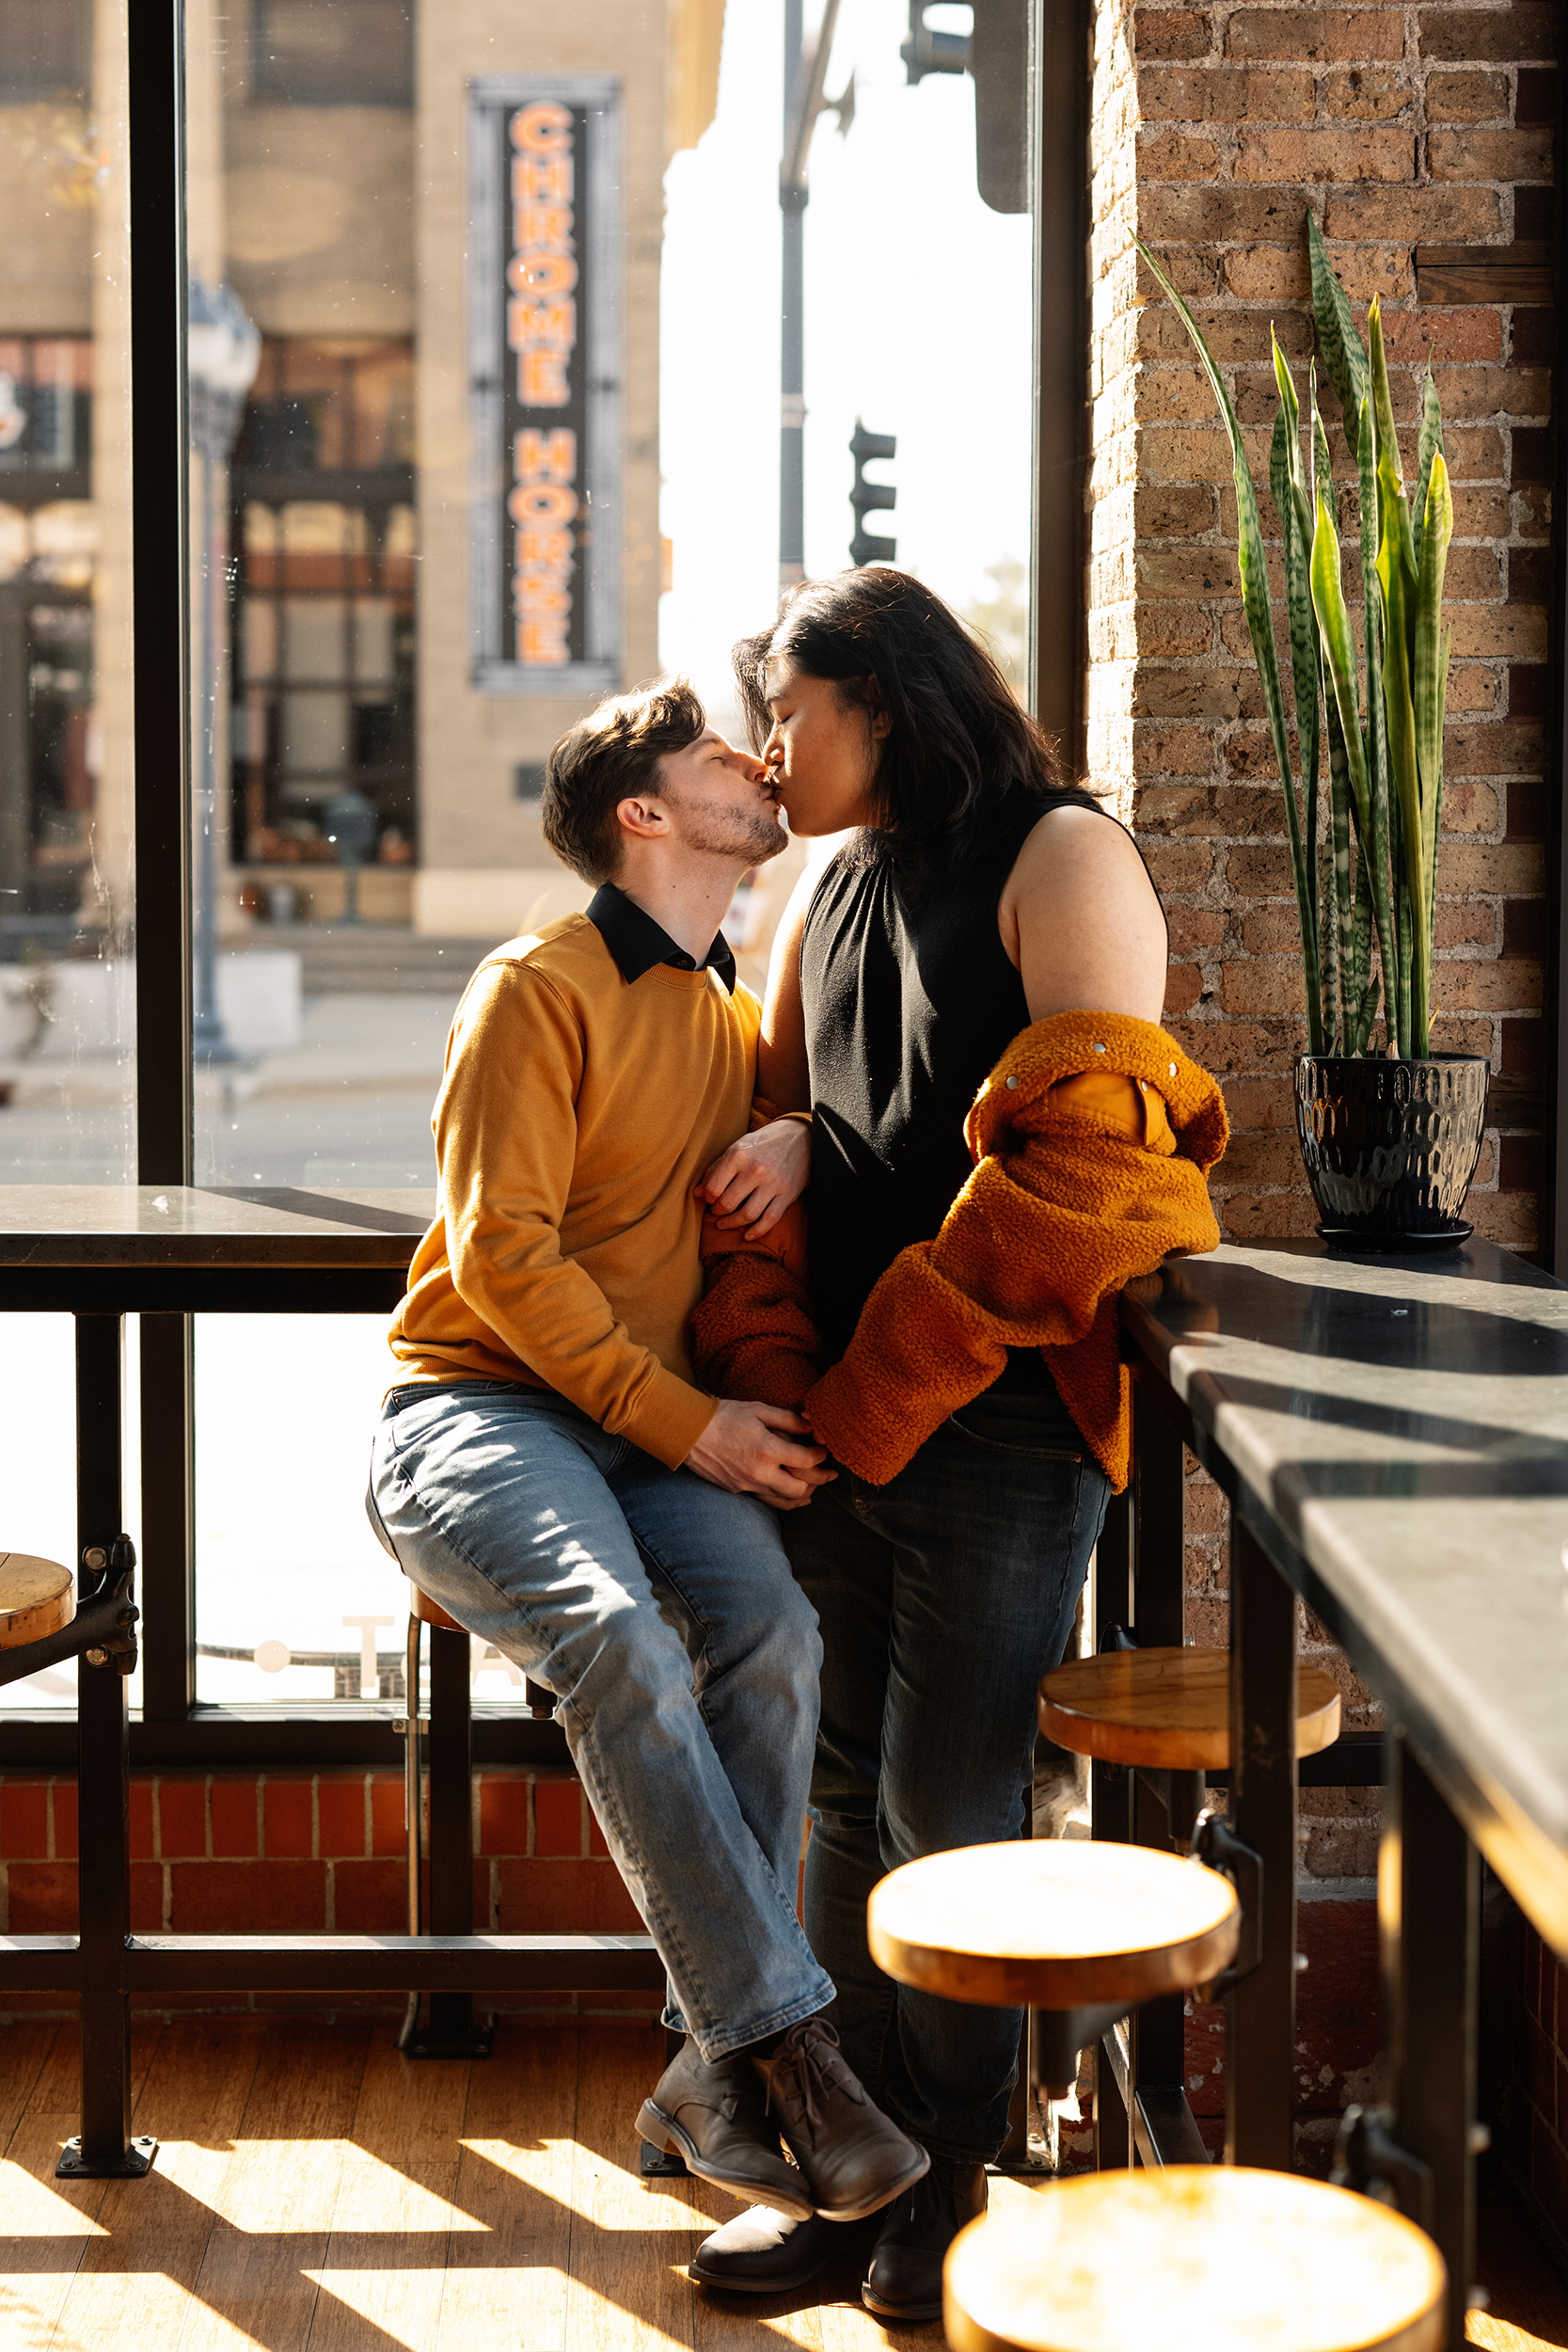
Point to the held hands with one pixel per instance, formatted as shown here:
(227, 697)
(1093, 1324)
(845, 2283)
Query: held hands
(747, 1450)
(753, 1183)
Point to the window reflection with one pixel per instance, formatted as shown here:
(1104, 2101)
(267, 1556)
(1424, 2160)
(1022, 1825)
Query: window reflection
(553, 238)
(66, 936)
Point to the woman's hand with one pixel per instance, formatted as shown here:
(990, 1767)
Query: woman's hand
(753, 1182)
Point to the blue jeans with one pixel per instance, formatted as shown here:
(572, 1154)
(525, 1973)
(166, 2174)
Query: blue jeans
(682, 1654)
(945, 1596)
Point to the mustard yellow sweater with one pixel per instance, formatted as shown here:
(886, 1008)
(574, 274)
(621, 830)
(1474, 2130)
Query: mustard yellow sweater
(576, 1116)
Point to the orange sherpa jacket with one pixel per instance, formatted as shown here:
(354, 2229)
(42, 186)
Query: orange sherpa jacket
(1066, 1206)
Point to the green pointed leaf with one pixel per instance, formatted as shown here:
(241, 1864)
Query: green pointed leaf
(1343, 354)
(1426, 449)
(1252, 565)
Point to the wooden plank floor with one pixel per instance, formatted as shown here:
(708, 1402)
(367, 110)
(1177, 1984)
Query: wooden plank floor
(316, 2192)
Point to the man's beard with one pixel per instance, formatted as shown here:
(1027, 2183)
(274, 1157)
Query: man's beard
(756, 837)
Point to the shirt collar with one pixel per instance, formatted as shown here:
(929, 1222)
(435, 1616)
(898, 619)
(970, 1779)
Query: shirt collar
(638, 943)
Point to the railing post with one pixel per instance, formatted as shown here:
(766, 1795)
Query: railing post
(1259, 2041)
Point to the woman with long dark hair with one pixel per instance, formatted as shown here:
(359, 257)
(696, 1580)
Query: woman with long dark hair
(978, 896)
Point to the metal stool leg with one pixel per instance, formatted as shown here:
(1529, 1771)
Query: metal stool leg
(412, 1796)
(104, 2150)
(451, 2032)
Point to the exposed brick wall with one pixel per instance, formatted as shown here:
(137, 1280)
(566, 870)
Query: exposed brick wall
(1408, 129)
(301, 1853)
(1404, 128)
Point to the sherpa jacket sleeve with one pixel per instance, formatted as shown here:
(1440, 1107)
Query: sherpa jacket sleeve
(1063, 1209)
(505, 1146)
(752, 1334)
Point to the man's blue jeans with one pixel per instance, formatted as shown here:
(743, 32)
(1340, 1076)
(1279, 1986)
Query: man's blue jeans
(945, 1596)
(682, 1654)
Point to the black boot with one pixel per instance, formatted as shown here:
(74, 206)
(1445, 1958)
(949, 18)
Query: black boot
(904, 2278)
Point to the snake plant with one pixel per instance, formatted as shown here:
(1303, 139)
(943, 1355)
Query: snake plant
(1366, 869)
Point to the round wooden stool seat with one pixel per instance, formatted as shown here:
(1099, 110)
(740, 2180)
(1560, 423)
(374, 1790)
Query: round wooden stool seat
(1167, 1709)
(1053, 1924)
(37, 1597)
(1219, 2256)
(430, 1611)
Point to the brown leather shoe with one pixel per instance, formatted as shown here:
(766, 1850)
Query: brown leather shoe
(716, 2117)
(854, 2158)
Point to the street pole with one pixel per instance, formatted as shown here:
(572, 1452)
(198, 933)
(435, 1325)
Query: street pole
(806, 98)
(792, 405)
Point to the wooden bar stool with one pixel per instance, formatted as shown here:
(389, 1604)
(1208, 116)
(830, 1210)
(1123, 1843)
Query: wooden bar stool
(1167, 1712)
(1230, 2258)
(1081, 1932)
(37, 1597)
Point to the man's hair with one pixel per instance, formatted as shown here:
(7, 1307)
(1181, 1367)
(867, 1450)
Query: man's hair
(612, 754)
(958, 739)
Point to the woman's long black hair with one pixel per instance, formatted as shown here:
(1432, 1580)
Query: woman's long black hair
(959, 741)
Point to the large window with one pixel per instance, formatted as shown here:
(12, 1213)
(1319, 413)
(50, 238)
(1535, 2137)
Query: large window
(323, 662)
(515, 371)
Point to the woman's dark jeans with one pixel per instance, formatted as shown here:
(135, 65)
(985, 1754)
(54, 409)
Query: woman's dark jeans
(944, 1597)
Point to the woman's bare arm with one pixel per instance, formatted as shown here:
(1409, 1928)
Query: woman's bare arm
(783, 1068)
(1080, 919)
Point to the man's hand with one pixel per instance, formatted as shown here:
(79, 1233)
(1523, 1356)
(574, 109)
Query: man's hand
(753, 1182)
(747, 1450)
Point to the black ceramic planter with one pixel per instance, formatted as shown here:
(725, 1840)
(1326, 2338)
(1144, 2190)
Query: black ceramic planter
(1391, 1147)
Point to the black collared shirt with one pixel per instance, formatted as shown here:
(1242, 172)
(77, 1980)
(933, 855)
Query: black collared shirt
(638, 943)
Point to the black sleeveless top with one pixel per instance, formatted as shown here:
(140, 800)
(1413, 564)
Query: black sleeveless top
(910, 998)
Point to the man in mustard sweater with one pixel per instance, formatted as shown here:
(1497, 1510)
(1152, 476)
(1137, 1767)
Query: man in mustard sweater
(547, 1470)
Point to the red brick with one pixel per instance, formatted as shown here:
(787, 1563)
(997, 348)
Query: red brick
(388, 1835)
(370, 1897)
(42, 1899)
(1490, 154)
(234, 1818)
(1183, 988)
(24, 1821)
(557, 1817)
(1269, 1216)
(288, 1813)
(141, 1820)
(181, 1818)
(1340, 152)
(1323, 36)
(565, 1898)
(1173, 33)
(1176, 93)
(596, 1843)
(1482, 36)
(1176, 155)
(1467, 97)
(502, 1816)
(247, 1897)
(341, 1815)
(1367, 94)
(147, 1898)
(64, 1796)
(1421, 216)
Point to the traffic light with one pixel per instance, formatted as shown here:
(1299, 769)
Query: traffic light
(865, 547)
(996, 53)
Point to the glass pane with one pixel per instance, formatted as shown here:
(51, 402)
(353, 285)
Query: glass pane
(553, 243)
(67, 935)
